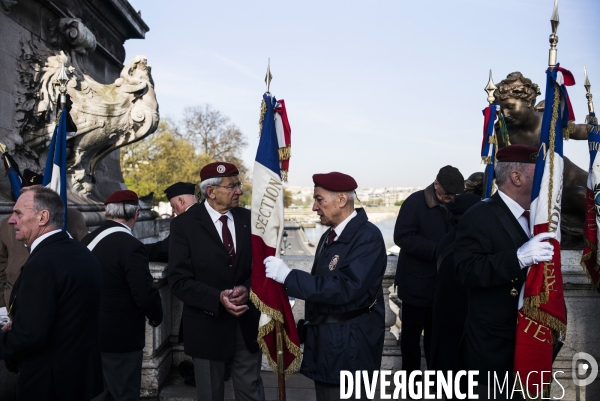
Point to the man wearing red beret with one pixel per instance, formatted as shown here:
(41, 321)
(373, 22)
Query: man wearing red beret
(210, 266)
(344, 300)
(493, 250)
(128, 297)
(422, 222)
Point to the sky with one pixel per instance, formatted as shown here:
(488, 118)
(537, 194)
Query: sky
(388, 91)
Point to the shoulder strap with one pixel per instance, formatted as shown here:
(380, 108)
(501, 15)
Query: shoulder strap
(105, 233)
(517, 238)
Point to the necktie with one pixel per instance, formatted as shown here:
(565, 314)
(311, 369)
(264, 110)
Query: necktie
(526, 215)
(331, 237)
(227, 239)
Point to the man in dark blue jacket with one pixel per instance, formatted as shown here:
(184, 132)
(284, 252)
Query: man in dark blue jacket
(422, 222)
(344, 301)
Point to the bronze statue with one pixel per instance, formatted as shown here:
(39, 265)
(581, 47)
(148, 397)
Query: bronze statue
(516, 96)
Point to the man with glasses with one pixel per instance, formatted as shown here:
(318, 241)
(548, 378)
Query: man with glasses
(128, 297)
(210, 264)
(422, 222)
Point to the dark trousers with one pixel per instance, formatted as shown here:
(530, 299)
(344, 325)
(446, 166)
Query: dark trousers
(415, 319)
(245, 373)
(122, 372)
(331, 392)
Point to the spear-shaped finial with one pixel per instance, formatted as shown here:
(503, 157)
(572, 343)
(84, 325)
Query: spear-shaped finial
(490, 89)
(61, 82)
(588, 88)
(268, 77)
(553, 37)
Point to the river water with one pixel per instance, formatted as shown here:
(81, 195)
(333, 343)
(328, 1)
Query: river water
(386, 226)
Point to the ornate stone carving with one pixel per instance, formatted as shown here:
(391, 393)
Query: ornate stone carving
(107, 116)
(75, 33)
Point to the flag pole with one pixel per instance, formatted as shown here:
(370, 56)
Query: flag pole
(554, 21)
(588, 94)
(62, 81)
(278, 324)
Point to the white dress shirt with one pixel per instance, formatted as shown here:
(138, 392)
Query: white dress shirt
(215, 216)
(338, 230)
(517, 211)
(127, 227)
(41, 238)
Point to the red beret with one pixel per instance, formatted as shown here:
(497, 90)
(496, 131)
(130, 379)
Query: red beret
(336, 182)
(218, 169)
(517, 153)
(124, 196)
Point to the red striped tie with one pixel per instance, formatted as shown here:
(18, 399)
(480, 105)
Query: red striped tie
(227, 239)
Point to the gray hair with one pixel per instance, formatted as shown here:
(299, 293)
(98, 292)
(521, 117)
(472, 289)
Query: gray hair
(209, 182)
(121, 210)
(350, 194)
(46, 199)
(503, 171)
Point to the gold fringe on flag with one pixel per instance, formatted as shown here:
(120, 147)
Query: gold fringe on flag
(592, 254)
(284, 175)
(268, 328)
(492, 139)
(486, 159)
(263, 111)
(285, 153)
(571, 127)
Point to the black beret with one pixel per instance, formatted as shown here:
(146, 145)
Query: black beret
(517, 153)
(451, 180)
(336, 182)
(180, 188)
(461, 203)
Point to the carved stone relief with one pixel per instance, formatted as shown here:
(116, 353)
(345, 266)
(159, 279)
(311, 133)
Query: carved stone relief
(7, 4)
(78, 37)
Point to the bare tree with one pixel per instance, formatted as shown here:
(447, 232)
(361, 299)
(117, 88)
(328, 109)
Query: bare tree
(213, 134)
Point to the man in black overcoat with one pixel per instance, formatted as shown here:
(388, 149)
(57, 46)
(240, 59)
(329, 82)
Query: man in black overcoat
(210, 265)
(422, 222)
(181, 196)
(492, 253)
(128, 297)
(54, 306)
(343, 294)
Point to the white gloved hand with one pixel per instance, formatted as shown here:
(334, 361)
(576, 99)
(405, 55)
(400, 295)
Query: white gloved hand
(276, 269)
(536, 251)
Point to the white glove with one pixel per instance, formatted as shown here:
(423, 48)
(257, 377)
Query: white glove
(276, 269)
(536, 251)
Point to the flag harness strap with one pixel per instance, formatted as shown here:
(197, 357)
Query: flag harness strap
(105, 233)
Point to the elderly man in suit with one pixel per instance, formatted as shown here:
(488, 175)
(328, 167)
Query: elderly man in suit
(210, 262)
(492, 253)
(128, 297)
(54, 305)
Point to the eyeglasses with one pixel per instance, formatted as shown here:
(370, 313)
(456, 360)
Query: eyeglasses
(231, 187)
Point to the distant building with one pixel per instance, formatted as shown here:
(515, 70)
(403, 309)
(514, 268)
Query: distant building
(378, 196)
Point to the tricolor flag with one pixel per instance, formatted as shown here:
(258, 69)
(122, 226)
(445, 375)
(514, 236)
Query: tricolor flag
(591, 238)
(55, 175)
(489, 147)
(14, 175)
(542, 318)
(272, 158)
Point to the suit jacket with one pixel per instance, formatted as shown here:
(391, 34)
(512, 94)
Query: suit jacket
(486, 263)
(55, 310)
(13, 254)
(421, 223)
(128, 295)
(199, 269)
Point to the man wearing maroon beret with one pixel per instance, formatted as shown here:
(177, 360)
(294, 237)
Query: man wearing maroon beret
(210, 266)
(492, 253)
(128, 297)
(422, 222)
(344, 301)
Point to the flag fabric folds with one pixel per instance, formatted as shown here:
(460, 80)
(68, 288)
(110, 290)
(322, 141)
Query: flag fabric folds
(55, 175)
(14, 176)
(542, 316)
(489, 147)
(590, 259)
(267, 230)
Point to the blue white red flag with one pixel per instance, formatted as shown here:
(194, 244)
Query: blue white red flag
(55, 175)
(541, 302)
(267, 229)
(489, 147)
(14, 177)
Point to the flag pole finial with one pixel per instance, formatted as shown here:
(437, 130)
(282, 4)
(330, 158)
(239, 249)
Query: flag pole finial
(554, 21)
(490, 88)
(268, 77)
(61, 82)
(588, 88)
